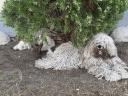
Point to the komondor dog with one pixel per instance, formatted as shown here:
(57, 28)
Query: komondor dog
(99, 57)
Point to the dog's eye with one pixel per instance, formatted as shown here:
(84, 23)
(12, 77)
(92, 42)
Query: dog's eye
(99, 46)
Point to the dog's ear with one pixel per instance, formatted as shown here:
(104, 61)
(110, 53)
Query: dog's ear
(112, 50)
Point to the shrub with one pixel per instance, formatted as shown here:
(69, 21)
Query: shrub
(81, 18)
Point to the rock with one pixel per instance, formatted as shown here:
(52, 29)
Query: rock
(120, 34)
(4, 38)
(22, 46)
(124, 20)
(6, 29)
(48, 44)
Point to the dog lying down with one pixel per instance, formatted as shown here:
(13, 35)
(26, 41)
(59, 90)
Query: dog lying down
(99, 57)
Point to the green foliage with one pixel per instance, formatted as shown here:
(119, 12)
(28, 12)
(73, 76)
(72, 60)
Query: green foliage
(83, 18)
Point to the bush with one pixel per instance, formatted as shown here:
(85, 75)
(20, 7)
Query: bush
(82, 18)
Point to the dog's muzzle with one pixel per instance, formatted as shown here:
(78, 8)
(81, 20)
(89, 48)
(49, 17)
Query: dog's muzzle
(101, 52)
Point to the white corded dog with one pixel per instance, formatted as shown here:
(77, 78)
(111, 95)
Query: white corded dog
(99, 57)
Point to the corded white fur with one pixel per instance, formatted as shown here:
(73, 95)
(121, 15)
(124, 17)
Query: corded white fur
(4, 38)
(67, 57)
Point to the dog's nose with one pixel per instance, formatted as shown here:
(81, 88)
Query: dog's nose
(99, 47)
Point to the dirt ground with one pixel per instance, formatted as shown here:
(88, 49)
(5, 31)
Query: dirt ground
(19, 77)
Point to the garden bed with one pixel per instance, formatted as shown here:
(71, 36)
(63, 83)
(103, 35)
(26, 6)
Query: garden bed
(19, 77)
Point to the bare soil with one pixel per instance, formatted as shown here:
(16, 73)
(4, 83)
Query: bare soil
(19, 77)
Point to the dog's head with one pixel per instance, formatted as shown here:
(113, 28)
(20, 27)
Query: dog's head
(101, 46)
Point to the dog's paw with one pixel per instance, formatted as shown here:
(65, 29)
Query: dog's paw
(113, 77)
